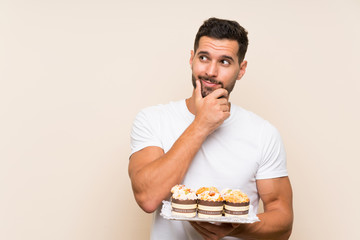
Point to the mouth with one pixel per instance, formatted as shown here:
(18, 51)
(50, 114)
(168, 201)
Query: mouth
(210, 83)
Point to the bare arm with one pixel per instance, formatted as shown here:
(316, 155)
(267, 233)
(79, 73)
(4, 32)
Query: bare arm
(153, 172)
(275, 223)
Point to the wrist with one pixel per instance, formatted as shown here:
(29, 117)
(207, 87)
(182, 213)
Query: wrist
(201, 130)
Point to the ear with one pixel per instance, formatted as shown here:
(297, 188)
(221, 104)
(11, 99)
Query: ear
(242, 71)
(191, 57)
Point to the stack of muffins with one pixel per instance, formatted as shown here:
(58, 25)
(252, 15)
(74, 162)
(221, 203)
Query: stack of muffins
(208, 202)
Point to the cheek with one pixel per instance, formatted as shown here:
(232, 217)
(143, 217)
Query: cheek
(198, 68)
(227, 77)
(231, 74)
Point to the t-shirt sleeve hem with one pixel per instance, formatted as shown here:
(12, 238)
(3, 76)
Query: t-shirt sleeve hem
(278, 174)
(140, 147)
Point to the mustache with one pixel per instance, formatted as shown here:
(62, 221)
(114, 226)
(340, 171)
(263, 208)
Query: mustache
(212, 80)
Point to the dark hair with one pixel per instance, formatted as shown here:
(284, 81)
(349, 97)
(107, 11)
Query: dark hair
(224, 29)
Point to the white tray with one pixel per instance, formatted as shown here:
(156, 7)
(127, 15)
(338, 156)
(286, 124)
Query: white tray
(166, 213)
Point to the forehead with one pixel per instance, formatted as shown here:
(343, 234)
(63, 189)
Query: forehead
(218, 47)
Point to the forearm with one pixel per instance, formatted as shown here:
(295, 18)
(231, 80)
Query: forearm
(273, 225)
(152, 182)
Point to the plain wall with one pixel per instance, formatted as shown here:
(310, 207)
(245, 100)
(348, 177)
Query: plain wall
(75, 73)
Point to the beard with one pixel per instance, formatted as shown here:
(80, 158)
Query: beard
(207, 90)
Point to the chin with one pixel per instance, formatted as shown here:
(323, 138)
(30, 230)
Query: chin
(205, 92)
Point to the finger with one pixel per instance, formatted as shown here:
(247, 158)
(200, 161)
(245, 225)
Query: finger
(198, 94)
(235, 225)
(225, 108)
(219, 93)
(198, 229)
(211, 228)
(203, 231)
(223, 101)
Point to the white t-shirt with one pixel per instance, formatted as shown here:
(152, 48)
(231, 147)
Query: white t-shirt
(243, 149)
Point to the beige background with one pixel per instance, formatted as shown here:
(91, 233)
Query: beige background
(74, 74)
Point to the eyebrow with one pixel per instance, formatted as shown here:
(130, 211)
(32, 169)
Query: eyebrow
(228, 57)
(223, 56)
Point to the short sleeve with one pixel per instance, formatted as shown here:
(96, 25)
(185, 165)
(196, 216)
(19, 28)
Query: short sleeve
(143, 133)
(273, 156)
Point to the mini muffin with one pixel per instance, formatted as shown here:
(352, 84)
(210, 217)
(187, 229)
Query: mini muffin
(203, 189)
(237, 203)
(183, 201)
(210, 203)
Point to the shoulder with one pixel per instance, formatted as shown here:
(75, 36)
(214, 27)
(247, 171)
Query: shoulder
(248, 116)
(254, 121)
(159, 110)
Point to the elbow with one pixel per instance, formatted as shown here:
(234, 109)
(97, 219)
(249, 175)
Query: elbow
(288, 231)
(147, 204)
(147, 207)
(147, 198)
(287, 234)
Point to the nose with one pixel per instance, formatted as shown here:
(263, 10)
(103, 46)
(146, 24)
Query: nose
(212, 69)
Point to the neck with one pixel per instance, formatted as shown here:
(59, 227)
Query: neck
(190, 103)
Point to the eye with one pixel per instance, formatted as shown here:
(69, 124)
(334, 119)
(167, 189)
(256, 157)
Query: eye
(203, 58)
(225, 62)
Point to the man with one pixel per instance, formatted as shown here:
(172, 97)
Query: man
(207, 141)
